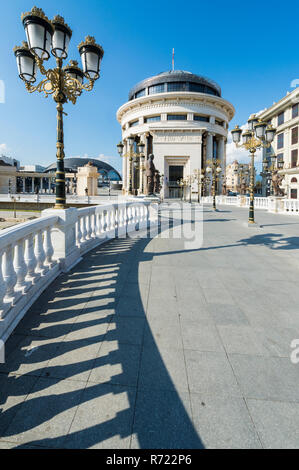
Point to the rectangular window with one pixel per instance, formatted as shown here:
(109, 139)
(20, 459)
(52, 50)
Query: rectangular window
(134, 123)
(280, 141)
(293, 193)
(197, 117)
(176, 86)
(153, 119)
(295, 135)
(295, 111)
(280, 119)
(220, 123)
(156, 89)
(294, 158)
(176, 117)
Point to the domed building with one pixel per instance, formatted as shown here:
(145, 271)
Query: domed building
(71, 165)
(182, 119)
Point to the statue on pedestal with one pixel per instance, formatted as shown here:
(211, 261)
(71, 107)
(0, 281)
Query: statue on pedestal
(149, 175)
(276, 181)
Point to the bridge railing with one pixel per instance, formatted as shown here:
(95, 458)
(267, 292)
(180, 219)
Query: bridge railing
(34, 253)
(271, 204)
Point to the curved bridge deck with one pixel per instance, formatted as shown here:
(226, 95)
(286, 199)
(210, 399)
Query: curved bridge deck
(149, 344)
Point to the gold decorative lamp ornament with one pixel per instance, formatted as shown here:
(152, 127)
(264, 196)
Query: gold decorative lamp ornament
(63, 83)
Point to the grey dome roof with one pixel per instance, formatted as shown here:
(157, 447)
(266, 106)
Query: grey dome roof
(72, 164)
(175, 76)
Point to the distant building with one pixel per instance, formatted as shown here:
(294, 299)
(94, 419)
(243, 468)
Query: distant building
(238, 177)
(33, 168)
(284, 116)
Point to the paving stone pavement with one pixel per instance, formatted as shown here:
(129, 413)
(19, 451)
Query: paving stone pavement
(149, 344)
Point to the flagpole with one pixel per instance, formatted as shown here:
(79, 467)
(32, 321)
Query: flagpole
(173, 59)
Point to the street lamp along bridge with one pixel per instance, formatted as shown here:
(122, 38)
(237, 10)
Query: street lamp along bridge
(63, 83)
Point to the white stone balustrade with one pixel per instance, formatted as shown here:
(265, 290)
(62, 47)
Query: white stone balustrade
(34, 253)
(271, 203)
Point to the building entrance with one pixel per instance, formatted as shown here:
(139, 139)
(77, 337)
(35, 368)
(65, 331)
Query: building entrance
(176, 173)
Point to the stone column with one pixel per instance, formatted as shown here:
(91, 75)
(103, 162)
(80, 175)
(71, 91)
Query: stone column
(32, 184)
(222, 159)
(210, 146)
(209, 156)
(41, 185)
(125, 168)
(23, 185)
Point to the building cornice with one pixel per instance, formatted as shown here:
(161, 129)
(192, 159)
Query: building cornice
(289, 99)
(176, 98)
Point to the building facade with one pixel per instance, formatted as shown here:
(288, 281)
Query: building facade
(284, 116)
(182, 120)
(237, 177)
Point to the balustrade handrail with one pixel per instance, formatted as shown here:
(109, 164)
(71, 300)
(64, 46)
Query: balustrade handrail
(12, 234)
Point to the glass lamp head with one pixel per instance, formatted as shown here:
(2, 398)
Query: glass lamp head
(270, 133)
(251, 122)
(91, 56)
(260, 129)
(26, 63)
(61, 37)
(236, 134)
(39, 31)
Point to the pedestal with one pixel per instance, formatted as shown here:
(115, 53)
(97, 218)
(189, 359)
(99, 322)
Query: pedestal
(275, 204)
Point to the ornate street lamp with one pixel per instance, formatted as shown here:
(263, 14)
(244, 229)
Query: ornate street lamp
(259, 134)
(64, 84)
(215, 169)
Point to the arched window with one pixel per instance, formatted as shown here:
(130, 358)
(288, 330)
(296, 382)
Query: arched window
(294, 180)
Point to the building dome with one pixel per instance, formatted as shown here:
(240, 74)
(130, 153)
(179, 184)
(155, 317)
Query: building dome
(173, 81)
(72, 164)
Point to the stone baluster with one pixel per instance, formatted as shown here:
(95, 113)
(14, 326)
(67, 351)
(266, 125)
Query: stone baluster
(40, 253)
(2, 285)
(98, 224)
(48, 247)
(9, 274)
(20, 267)
(78, 232)
(30, 258)
(88, 226)
(83, 228)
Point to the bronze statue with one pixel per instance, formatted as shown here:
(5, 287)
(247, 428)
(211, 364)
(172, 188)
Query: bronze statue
(276, 181)
(149, 175)
(157, 182)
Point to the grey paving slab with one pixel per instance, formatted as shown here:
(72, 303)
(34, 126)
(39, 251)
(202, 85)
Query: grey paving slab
(200, 337)
(163, 421)
(104, 418)
(163, 369)
(224, 423)
(116, 364)
(211, 373)
(277, 423)
(45, 417)
(227, 314)
(266, 378)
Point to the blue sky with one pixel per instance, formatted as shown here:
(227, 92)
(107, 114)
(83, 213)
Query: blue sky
(251, 50)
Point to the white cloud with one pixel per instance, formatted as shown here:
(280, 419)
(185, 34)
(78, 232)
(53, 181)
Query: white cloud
(3, 148)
